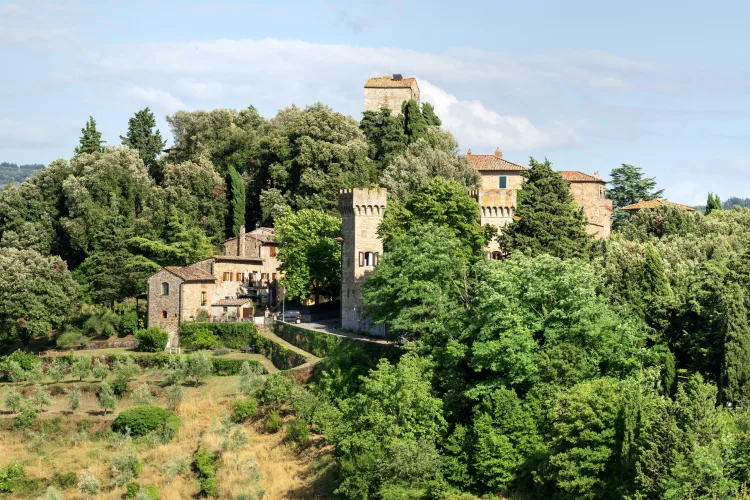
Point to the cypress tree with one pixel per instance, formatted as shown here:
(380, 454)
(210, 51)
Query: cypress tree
(735, 369)
(91, 139)
(385, 135)
(415, 126)
(657, 293)
(147, 141)
(547, 220)
(429, 115)
(236, 201)
(713, 203)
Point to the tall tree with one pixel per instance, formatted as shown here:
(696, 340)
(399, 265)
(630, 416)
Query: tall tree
(713, 203)
(385, 135)
(547, 220)
(310, 256)
(91, 139)
(735, 383)
(149, 143)
(429, 115)
(415, 125)
(628, 186)
(236, 201)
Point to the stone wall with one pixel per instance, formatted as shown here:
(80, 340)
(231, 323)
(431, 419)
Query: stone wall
(491, 179)
(191, 299)
(596, 207)
(391, 98)
(361, 213)
(158, 303)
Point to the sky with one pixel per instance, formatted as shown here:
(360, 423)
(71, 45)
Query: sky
(589, 85)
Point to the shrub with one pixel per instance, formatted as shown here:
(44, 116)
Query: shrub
(174, 396)
(199, 366)
(277, 390)
(14, 401)
(41, 398)
(81, 368)
(142, 420)
(57, 371)
(52, 493)
(12, 477)
(132, 489)
(205, 464)
(152, 339)
(14, 371)
(65, 479)
(88, 483)
(150, 492)
(125, 467)
(129, 322)
(250, 378)
(297, 431)
(203, 338)
(119, 387)
(126, 370)
(25, 419)
(221, 351)
(106, 397)
(232, 335)
(74, 398)
(209, 487)
(100, 370)
(273, 422)
(26, 360)
(174, 467)
(244, 409)
(142, 395)
(71, 340)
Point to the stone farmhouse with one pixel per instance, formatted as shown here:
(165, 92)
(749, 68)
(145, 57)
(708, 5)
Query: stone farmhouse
(389, 92)
(222, 287)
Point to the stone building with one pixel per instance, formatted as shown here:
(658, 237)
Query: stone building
(223, 287)
(389, 92)
(501, 180)
(361, 213)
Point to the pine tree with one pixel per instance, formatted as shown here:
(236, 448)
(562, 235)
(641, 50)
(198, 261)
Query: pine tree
(628, 187)
(713, 203)
(415, 126)
(91, 139)
(147, 141)
(429, 115)
(236, 201)
(735, 376)
(547, 220)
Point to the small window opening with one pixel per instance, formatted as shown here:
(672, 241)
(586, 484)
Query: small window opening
(503, 182)
(203, 298)
(164, 314)
(165, 288)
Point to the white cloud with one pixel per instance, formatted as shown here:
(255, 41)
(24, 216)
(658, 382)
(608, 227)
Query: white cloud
(156, 99)
(480, 127)
(17, 136)
(27, 26)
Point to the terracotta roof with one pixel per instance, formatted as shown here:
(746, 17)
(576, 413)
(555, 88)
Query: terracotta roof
(576, 176)
(234, 258)
(388, 81)
(231, 302)
(190, 273)
(656, 203)
(492, 162)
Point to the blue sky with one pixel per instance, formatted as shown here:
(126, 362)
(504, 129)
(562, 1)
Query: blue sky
(590, 85)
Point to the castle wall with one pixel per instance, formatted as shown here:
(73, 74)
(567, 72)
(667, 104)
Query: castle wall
(596, 207)
(361, 213)
(158, 303)
(391, 98)
(491, 179)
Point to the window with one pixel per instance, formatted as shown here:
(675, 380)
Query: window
(503, 182)
(165, 288)
(496, 256)
(203, 298)
(164, 314)
(272, 251)
(239, 276)
(273, 277)
(369, 259)
(226, 277)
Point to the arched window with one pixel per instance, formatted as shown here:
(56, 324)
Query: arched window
(165, 289)
(368, 259)
(496, 256)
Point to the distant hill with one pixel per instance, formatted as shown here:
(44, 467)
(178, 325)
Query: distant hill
(10, 172)
(734, 201)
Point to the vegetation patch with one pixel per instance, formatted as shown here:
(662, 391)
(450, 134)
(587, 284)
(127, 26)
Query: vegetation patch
(142, 420)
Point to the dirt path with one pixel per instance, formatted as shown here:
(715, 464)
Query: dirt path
(329, 327)
(266, 331)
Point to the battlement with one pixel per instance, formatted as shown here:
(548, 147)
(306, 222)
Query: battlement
(363, 201)
(494, 198)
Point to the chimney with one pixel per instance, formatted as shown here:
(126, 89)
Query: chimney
(468, 152)
(597, 176)
(397, 77)
(498, 153)
(241, 242)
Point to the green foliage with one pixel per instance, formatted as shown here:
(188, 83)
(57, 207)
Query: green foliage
(129, 322)
(236, 201)
(204, 339)
(57, 371)
(152, 339)
(25, 419)
(232, 335)
(272, 423)
(428, 111)
(318, 343)
(64, 479)
(310, 256)
(74, 398)
(124, 467)
(628, 187)
(11, 173)
(70, 340)
(147, 141)
(385, 135)
(12, 477)
(81, 368)
(142, 395)
(106, 397)
(547, 220)
(243, 409)
(91, 139)
(251, 378)
(126, 370)
(199, 366)
(276, 391)
(713, 203)
(174, 395)
(132, 489)
(88, 483)
(13, 401)
(415, 125)
(205, 465)
(142, 420)
(37, 294)
(41, 398)
(298, 432)
(100, 370)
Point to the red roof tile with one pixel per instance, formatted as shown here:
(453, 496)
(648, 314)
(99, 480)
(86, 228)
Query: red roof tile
(576, 176)
(492, 162)
(190, 273)
(656, 203)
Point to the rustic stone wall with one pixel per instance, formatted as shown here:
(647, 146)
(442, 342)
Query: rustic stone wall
(391, 98)
(191, 299)
(596, 207)
(491, 179)
(158, 303)
(361, 213)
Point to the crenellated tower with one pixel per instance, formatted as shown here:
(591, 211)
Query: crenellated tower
(361, 213)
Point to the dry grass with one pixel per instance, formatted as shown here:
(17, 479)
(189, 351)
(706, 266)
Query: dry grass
(287, 471)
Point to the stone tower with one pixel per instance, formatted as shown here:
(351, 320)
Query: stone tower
(389, 92)
(361, 213)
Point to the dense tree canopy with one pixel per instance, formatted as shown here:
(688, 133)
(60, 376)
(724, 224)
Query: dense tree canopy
(142, 136)
(628, 187)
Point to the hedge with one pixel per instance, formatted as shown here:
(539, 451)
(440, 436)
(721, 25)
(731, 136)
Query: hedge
(230, 334)
(142, 420)
(222, 366)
